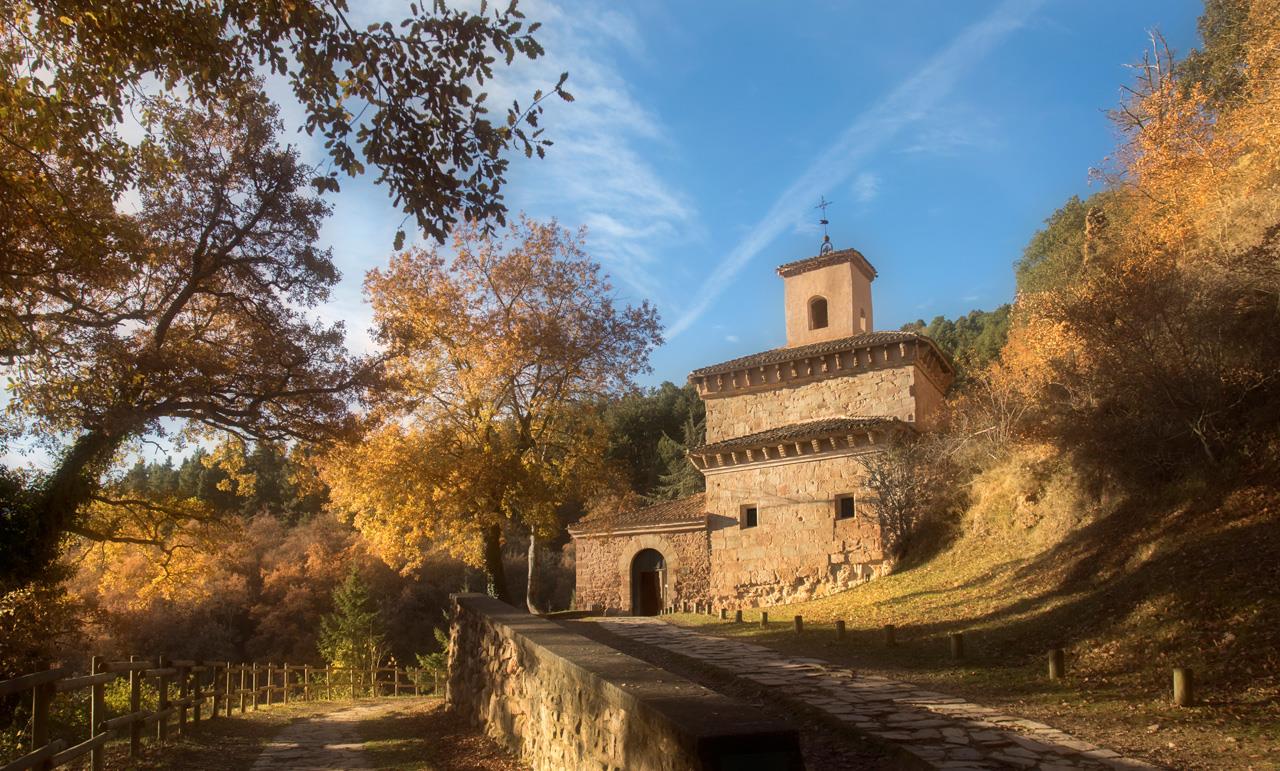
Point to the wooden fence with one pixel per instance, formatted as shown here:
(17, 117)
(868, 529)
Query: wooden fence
(182, 689)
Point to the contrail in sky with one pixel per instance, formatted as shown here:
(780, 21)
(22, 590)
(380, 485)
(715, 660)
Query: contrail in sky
(909, 102)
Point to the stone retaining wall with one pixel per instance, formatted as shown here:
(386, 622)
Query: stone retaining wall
(561, 701)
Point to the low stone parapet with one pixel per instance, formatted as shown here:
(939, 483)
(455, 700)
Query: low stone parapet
(561, 701)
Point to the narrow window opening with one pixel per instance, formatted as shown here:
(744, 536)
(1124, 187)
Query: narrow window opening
(845, 506)
(862, 319)
(750, 516)
(818, 313)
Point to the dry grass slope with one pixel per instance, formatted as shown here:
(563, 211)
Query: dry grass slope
(1130, 587)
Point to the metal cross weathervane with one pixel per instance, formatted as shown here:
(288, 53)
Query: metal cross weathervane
(823, 203)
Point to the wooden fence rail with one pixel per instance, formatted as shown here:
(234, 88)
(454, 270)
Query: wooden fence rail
(183, 688)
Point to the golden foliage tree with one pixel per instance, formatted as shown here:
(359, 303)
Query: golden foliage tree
(496, 355)
(200, 316)
(1161, 349)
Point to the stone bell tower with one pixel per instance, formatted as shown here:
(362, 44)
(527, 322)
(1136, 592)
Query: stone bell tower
(827, 297)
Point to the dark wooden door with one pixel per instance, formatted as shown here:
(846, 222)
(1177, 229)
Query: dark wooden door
(650, 592)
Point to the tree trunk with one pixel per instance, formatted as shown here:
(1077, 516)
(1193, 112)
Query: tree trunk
(535, 576)
(51, 508)
(493, 564)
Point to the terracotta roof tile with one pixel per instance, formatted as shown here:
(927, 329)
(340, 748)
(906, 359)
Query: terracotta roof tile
(823, 260)
(778, 355)
(688, 509)
(797, 432)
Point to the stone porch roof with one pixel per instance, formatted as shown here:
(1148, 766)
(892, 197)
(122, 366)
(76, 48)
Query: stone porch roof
(779, 355)
(690, 510)
(812, 437)
(830, 258)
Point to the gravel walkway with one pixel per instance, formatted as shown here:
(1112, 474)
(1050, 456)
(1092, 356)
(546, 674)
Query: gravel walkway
(941, 731)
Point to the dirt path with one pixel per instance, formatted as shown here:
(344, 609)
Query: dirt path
(328, 741)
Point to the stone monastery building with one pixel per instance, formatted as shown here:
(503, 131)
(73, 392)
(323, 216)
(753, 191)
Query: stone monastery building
(784, 516)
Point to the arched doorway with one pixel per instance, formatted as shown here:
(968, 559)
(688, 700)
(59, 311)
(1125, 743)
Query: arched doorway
(648, 582)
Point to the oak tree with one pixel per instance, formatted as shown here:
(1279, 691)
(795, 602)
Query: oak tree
(497, 355)
(200, 316)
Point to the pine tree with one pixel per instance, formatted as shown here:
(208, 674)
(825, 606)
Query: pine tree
(353, 635)
(678, 477)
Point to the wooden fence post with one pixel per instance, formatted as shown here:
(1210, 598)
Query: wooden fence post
(799, 624)
(97, 712)
(41, 701)
(351, 676)
(135, 706)
(184, 675)
(957, 645)
(1184, 689)
(244, 673)
(1057, 664)
(197, 691)
(254, 695)
(306, 682)
(764, 618)
(840, 629)
(162, 725)
(271, 680)
(285, 680)
(395, 674)
(328, 682)
(215, 682)
(417, 677)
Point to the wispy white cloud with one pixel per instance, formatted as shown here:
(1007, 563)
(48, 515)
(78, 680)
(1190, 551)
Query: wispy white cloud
(906, 105)
(731, 338)
(866, 187)
(600, 172)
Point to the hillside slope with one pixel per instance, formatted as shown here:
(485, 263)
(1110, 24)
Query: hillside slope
(1131, 587)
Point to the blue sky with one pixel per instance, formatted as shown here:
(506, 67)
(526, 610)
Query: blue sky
(703, 134)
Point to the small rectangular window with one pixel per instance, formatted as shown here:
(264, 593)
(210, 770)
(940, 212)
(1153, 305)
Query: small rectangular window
(750, 516)
(845, 507)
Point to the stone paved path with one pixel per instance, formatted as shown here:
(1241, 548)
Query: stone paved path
(328, 741)
(941, 731)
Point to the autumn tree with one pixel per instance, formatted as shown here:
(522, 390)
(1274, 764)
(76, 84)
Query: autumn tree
(1161, 352)
(200, 316)
(497, 356)
(397, 96)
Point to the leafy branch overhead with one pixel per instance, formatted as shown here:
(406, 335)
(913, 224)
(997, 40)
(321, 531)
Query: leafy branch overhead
(399, 97)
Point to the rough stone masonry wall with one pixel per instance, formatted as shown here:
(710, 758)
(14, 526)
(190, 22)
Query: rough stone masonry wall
(603, 568)
(887, 392)
(799, 550)
(560, 701)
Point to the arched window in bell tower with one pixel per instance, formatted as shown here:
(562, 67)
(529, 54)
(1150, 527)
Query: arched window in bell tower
(818, 313)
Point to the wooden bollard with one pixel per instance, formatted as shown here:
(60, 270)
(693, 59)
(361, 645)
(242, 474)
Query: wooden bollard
(724, 614)
(1184, 687)
(737, 617)
(1057, 664)
(799, 622)
(764, 618)
(840, 629)
(889, 635)
(957, 645)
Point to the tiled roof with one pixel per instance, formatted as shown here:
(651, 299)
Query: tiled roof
(796, 432)
(816, 349)
(823, 260)
(688, 509)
